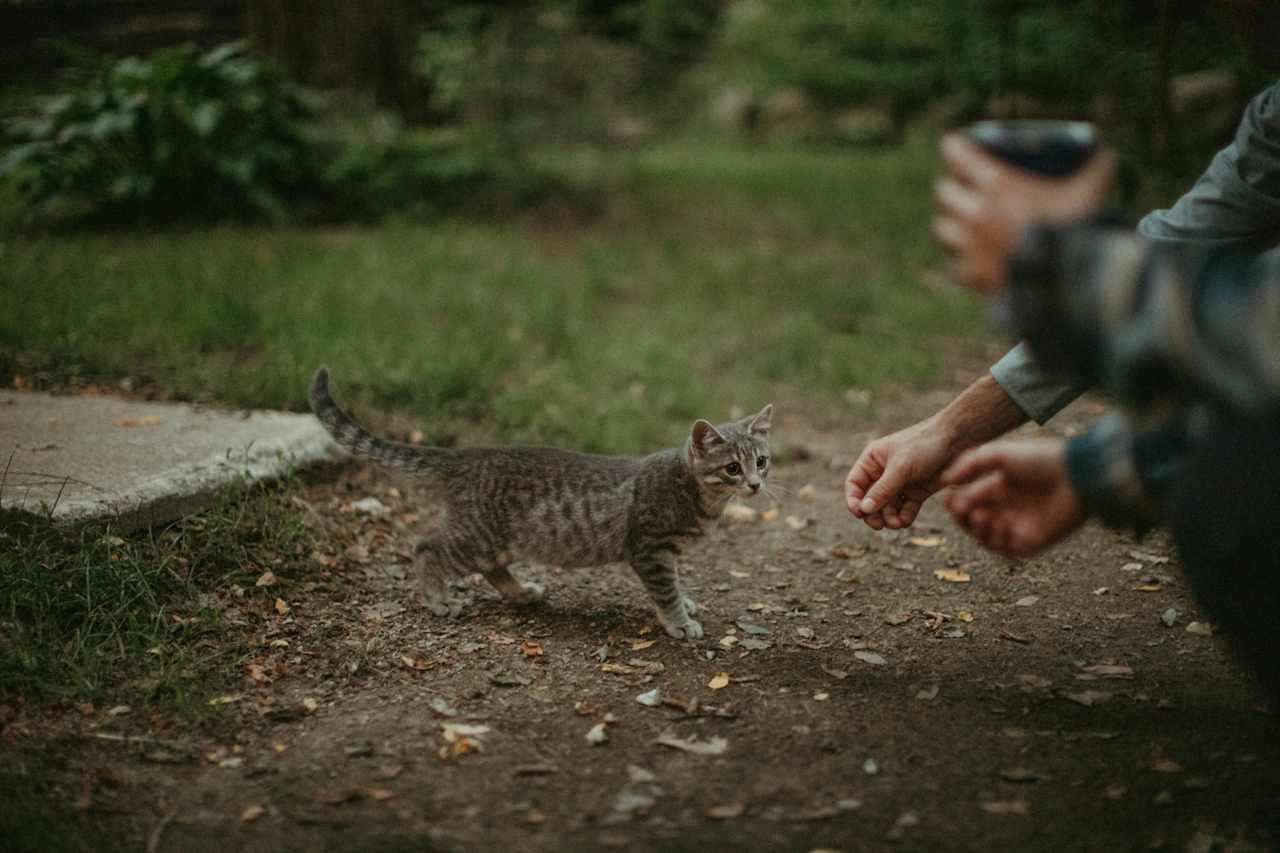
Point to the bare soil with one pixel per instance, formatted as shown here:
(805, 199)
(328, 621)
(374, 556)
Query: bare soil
(870, 703)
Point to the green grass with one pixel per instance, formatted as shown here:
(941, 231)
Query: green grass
(713, 276)
(716, 276)
(91, 614)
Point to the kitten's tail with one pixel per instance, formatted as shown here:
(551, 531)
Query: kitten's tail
(357, 439)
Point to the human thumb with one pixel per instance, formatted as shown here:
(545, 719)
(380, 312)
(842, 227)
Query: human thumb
(883, 489)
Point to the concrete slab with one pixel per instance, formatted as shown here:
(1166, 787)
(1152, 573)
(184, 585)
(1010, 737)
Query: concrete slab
(88, 458)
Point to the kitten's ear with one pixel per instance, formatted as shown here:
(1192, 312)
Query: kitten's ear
(704, 436)
(761, 422)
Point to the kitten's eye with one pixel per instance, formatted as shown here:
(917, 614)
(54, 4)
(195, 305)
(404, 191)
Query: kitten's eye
(761, 462)
(733, 469)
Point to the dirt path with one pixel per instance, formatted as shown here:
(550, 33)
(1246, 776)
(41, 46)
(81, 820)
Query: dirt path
(870, 703)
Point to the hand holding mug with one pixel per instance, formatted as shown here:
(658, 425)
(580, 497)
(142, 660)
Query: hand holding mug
(986, 203)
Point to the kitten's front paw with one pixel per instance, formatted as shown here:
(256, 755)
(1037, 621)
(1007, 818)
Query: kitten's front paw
(689, 629)
(530, 593)
(690, 606)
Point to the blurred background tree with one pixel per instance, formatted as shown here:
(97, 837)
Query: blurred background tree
(435, 100)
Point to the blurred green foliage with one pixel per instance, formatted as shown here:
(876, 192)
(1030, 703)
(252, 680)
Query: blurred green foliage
(176, 135)
(560, 70)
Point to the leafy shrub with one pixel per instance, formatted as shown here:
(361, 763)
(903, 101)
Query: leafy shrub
(425, 173)
(176, 135)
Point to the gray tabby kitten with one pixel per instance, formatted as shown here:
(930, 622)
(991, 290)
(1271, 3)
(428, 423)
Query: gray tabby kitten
(552, 506)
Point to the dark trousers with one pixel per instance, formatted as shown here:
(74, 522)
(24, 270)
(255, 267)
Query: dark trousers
(1226, 521)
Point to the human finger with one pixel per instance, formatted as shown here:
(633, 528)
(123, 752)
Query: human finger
(886, 487)
(971, 464)
(955, 200)
(950, 234)
(968, 163)
(992, 487)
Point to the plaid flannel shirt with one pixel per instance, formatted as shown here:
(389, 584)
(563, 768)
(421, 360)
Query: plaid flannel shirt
(1180, 335)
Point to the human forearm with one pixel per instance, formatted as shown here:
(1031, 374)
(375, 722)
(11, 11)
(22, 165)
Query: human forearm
(980, 413)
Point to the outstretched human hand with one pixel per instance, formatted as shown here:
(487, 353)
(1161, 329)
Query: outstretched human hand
(1014, 497)
(896, 474)
(985, 206)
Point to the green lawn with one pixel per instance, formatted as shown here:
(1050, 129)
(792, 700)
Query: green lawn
(710, 276)
(706, 277)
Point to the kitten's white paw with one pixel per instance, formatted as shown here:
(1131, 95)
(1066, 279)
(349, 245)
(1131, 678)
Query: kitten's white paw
(690, 606)
(689, 629)
(530, 593)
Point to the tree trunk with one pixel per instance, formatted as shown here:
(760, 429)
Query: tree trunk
(350, 44)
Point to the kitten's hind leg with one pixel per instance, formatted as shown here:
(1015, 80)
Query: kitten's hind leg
(513, 590)
(434, 576)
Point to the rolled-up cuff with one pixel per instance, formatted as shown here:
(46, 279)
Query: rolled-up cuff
(1040, 393)
(1104, 471)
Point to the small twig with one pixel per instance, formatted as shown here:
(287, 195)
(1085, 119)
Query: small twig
(4, 477)
(141, 740)
(153, 840)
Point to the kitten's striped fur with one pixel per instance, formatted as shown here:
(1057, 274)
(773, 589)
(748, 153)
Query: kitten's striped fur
(557, 507)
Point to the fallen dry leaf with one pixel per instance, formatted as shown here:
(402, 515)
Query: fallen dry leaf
(282, 607)
(1204, 629)
(928, 694)
(898, 618)
(711, 746)
(310, 705)
(641, 645)
(1006, 634)
(736, 513)
(1166, 765)
(379, 793)
(795, 522)
(146, 421)
(252, 813)
(456, 731)
(873, 658)
(416, 663)
(719, 682)
(267, 578)
(1026, 601)
(770, 514)
(964, 616)
(651, 699)
(728, 811)
(1089, 698)
(1096, 671)
(597, 735)
(1006, 807)
(531, 649)
(927, 541)
(1021, 774)
(617, 668)
(952, 575)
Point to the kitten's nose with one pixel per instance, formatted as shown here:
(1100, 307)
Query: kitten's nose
(755, 487)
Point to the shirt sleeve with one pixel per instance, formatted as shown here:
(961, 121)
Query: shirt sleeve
(1039, 392)
(1104, 466)
(1235, 205)
(1151, 323)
